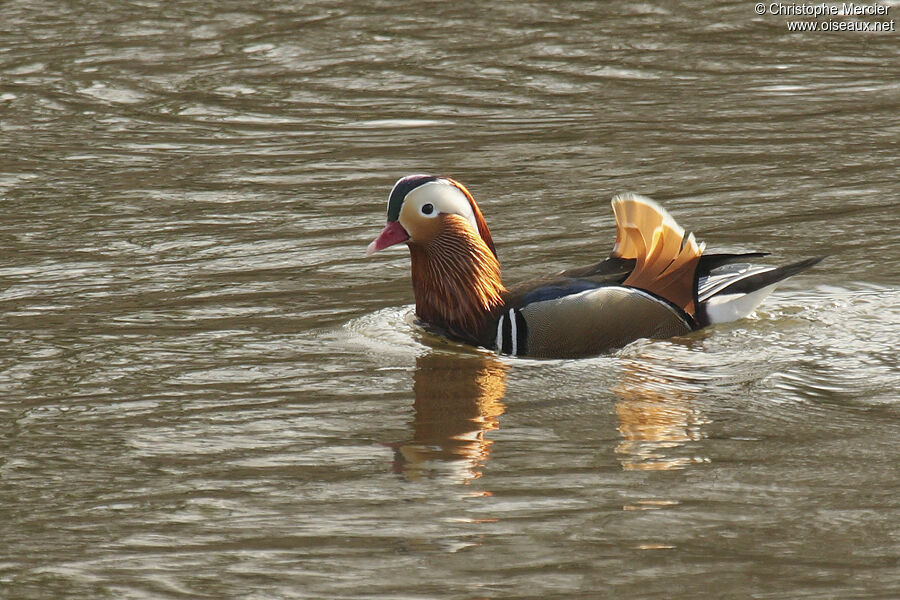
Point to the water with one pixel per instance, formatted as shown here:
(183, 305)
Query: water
(209, 392)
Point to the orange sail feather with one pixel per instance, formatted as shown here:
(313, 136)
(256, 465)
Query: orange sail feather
(665, 257)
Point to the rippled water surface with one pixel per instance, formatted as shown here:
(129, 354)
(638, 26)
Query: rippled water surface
(209, 392)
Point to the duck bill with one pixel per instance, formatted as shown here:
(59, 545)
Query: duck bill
(393, 233)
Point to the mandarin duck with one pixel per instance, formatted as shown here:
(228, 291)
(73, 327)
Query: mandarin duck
(656, 283)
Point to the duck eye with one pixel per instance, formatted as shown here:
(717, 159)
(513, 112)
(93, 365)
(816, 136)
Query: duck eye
(427, 209)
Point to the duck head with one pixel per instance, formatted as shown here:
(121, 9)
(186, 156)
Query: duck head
(422, 207)
(455, 273)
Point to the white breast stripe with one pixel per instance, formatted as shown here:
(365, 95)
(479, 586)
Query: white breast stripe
(499, 342)
(512, 331)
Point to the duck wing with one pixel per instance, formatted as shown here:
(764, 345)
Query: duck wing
(656, 284)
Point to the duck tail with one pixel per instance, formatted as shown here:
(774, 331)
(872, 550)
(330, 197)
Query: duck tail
(665, 257)
(728, 293)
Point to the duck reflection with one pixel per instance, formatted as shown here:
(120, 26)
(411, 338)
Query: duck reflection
(658, 419)
(457, 401)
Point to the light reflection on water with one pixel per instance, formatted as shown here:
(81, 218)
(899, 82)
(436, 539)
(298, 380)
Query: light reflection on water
(457, 404)
(657, 417)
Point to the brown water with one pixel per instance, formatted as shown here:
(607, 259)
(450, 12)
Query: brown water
(209, 392)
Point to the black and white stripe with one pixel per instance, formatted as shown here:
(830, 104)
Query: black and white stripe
(512, 333)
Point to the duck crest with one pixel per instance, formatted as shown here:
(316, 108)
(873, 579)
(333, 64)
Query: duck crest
(456, 279)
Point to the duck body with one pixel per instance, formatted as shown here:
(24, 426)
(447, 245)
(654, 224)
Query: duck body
(656, 283)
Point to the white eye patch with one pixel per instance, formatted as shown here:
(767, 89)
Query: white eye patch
(444, 197)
